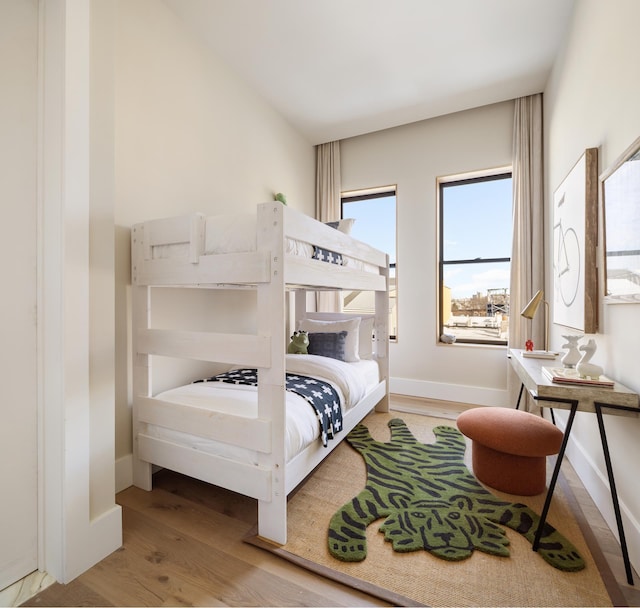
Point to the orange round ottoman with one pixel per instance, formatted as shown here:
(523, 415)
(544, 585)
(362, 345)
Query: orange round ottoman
(510, 448)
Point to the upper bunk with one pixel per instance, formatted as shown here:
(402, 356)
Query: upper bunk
(247, 249)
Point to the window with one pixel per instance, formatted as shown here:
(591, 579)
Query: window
(475, 257)
(375, 215)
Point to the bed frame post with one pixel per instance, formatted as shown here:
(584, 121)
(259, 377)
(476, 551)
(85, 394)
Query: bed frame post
(300, 305)
(272, 514)
(141, 319)
(382, 337)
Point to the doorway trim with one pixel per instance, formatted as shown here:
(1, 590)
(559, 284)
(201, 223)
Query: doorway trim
(74, 534)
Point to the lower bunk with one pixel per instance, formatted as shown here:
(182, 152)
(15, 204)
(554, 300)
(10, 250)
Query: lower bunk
(211, 429)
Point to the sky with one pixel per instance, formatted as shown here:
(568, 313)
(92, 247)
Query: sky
(477, 224)
(375, 223)
(477, 221)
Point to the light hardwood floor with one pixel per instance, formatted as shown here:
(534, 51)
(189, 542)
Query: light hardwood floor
(183, 546)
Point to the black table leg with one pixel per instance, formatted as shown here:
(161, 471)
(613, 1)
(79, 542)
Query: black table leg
(520, 396)
(614, 494)
(554, 477)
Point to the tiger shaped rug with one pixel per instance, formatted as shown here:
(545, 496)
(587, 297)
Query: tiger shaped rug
(429, 500)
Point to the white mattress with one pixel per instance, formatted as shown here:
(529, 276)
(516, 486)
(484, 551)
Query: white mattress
(236, 233)
(352, 381)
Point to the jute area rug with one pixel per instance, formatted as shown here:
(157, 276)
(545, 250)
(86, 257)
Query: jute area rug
(419, 578)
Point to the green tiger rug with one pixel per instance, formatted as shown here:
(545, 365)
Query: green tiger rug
(430, 500)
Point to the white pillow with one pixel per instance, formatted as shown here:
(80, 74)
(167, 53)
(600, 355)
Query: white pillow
(365, 349)
(344, 225)
(351, 326)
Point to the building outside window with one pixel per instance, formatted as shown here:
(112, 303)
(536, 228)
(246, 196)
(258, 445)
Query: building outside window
(374, 212)
(475, 233)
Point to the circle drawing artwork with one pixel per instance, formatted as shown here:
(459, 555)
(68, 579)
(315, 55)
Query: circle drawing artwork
(574, 245)
(566, 263)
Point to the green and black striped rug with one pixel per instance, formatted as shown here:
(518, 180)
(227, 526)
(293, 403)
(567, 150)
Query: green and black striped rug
(427, 499)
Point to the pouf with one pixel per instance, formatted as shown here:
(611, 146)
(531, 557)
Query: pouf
(510, 447)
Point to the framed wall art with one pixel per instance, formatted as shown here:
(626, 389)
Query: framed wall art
(621, 218)
(575, 236)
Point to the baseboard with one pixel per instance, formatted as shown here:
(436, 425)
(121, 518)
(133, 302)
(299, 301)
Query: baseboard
(124, 472)
(597, 485)
(101, 537)
(473, 395)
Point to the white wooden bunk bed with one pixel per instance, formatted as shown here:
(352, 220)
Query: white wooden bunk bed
(171, 432)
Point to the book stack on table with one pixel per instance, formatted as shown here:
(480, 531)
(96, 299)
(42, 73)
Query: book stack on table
(562, 375)
(539, 354)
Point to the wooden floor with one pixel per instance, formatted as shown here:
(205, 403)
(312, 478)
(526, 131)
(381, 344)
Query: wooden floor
(604, 540)
(183, 546)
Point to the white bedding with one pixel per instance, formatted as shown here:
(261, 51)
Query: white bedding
(236, 233)
(352, 381)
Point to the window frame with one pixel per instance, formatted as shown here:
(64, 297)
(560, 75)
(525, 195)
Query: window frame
(458, 180)
(371, 194)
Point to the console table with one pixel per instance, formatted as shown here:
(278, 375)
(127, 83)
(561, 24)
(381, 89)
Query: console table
(618, 400)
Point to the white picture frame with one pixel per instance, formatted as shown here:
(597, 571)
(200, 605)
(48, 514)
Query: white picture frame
(575, 237)
(620, 187)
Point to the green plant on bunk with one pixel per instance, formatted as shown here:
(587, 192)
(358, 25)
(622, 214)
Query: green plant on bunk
(280, 197)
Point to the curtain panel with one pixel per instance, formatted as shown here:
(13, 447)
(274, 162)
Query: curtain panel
(328, 190)
(527, 255)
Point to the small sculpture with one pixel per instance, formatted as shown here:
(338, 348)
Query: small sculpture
(280, 197)
(529, 345)
(572, 356)
(586, 369)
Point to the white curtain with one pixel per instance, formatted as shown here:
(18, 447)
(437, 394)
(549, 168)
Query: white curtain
(328, 206)
(527, 255)
(328, 181)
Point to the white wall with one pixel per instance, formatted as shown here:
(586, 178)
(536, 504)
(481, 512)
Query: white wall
(592, 101)
(189, 136)
(101, 255)
(18, 255)
(412, 157)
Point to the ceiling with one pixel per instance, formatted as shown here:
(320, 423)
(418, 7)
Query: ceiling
(339, 68)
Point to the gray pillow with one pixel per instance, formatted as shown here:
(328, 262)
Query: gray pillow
(328, 344)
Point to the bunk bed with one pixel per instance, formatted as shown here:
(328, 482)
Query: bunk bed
(235, 441)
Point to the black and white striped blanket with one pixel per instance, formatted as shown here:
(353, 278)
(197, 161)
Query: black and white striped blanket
(320, 395)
